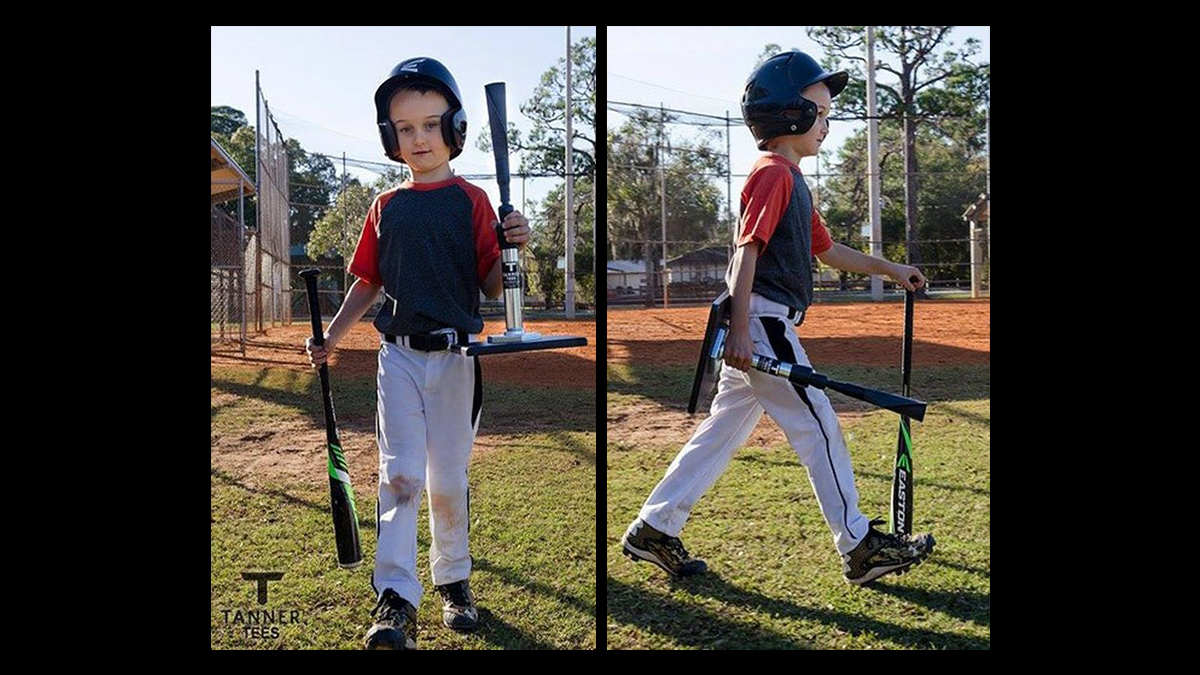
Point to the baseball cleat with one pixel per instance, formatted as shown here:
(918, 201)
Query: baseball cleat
(396, 625)
(458, 606)
(880, 553)
(642, 542)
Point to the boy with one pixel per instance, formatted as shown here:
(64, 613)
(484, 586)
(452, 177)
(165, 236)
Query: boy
(786, 105)
(429, 246)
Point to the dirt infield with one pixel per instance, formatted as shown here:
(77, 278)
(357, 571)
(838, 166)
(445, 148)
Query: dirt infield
(293, 449)
(946, 332)
(357, 354)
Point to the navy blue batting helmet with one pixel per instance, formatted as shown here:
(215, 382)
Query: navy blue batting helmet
(772, 105)
(427, 71)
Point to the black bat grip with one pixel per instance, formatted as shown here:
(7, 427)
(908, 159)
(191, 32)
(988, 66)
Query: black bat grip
(314, 309)
(505, 209)
(314, 305)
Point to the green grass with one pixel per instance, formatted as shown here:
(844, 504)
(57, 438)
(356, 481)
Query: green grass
(532, 535)
(775, 579)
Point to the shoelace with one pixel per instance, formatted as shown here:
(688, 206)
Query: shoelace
(889, 539)
(455, 593)
(392, 610)
(676, 546)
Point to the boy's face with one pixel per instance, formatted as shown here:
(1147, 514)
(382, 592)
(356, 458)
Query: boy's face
(417, 119)
(809, 143)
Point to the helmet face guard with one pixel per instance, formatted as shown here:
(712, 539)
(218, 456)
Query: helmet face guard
(427, 71)
(771, 103)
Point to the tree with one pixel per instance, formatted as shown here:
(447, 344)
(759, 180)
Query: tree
(938, 88)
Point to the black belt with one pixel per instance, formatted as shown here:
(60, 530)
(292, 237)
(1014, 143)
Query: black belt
(796, 316)
(430, 342)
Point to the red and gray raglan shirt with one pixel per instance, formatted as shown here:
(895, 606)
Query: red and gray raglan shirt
(777, 212)
(431, 246)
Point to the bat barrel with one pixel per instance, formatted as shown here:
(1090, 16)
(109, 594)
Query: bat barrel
(498, 120)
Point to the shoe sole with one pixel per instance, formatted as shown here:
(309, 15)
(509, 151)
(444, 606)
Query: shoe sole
(390, 645)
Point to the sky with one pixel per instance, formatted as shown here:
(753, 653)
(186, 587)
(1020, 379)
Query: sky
(704, 69)
(320, 82)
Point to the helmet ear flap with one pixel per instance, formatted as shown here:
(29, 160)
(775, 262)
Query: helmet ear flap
(387, 134)
(802, 116)
(454, 130)
(795, 119)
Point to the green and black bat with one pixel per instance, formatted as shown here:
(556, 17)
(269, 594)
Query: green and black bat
(341, 494)
(902, 480)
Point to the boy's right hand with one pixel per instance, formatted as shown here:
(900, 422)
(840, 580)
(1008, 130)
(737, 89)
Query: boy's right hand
(738, 349)
(318, 354)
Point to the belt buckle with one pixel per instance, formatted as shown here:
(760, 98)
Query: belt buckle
(451, 337)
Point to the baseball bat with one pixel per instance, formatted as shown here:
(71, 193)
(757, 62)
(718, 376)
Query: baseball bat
(902, 479)
(510, 266)
(341, 494)
(807, 377)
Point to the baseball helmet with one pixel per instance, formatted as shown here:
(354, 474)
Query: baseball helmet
(772, 105)
(421, 70)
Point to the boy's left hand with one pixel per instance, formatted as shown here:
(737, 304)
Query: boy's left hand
(516, 229)
(902, 273)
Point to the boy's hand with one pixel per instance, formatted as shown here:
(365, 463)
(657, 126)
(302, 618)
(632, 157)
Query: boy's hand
(902, 273)
(318, 355)
(516, 229)
(738, 349)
